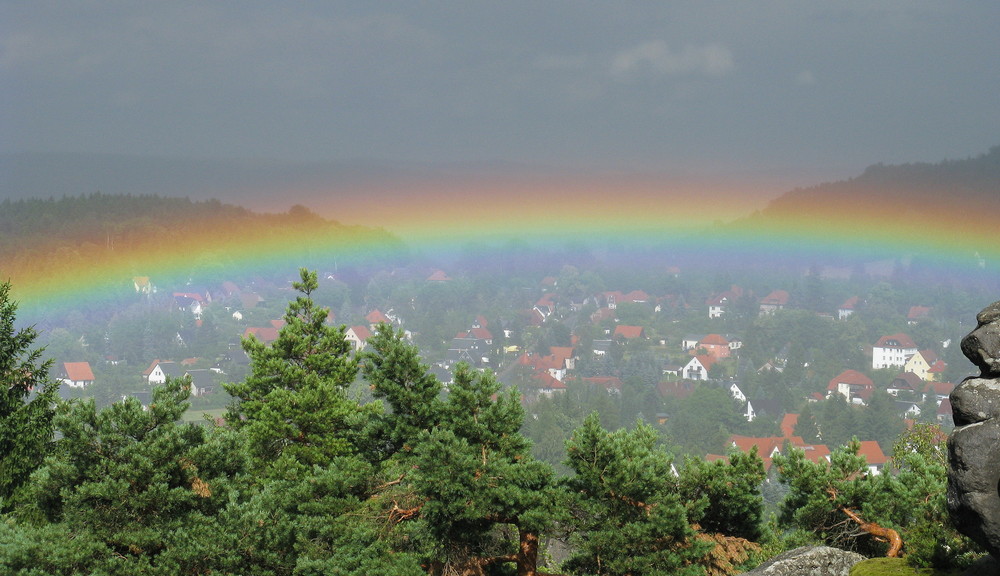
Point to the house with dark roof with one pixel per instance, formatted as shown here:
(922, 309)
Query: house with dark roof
(159, 370)
(204, 381)
(908, 384)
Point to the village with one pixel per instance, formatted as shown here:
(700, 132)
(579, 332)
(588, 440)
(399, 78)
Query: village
(627, 353)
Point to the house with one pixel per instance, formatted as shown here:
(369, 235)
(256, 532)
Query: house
(854, 386)
(76, 374)
(689, 343)
(715, 345)
(204, 381)
(628, 332)
(719, 304)
(142, 285)
(358, 336)
(376, 317)
(908, 383)
(847, 308)
(438, 276)
(473, 351)
(921, 363)
(940, 390)
(266, 334)
(602, 347)
(549, 386)
(918, 314)
(874, 456)
(892, 351)
(697, 368)
(766, 447)
(944, 413)
(612, 384)
(159, 370)
(776, 300)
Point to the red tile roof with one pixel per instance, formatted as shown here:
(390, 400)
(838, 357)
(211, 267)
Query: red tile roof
(714, 340)
(376, 317)
(265, 334)
(788, 423)
(872, 452)
(895, 341)
(78, 371)
(628, 332)
(775, 298)
(851, 377)
(362, 332)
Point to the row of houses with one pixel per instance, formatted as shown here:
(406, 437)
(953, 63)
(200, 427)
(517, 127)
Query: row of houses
(768, 447)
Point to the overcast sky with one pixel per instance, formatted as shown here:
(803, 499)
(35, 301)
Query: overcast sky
(807, 91)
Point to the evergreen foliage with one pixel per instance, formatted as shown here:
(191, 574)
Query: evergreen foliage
(27, 400)
(628, 514)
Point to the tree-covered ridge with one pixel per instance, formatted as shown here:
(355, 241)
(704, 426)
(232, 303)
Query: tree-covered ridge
(45, 241)
(306, 478)
(943, 193)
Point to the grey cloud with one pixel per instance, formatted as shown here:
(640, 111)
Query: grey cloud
(656, 57)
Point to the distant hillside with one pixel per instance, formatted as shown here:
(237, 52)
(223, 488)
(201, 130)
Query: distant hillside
(68, 239)
(927, 193)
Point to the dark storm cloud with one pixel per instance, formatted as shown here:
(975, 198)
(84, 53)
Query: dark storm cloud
(731, 87)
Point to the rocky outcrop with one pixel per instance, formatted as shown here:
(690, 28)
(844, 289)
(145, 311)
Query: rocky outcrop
(809, 561)
(974, 445)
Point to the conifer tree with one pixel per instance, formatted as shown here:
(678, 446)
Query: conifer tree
(627, 510)
(293, 407)
(25, 421)
(476, 475)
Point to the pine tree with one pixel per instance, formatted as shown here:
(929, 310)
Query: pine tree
(627, 510)
(293, 407)
(476, 475)
(730, 493)
(25, 421)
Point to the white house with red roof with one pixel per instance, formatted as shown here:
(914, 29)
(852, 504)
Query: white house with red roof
(358, 336)
(159, 370)
(873, 455)
(376, 317)
(697, 368)
(847, 308)
(718, 304)
(854, 386)
(892, 351)
(76, 374)
(776, 300)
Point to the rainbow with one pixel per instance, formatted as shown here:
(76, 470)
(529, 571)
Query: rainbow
(683, 223)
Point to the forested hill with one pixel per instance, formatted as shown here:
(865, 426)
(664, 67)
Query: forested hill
(54, 237)
(923, 192)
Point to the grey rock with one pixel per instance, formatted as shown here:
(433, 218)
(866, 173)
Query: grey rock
(809, 561)
(986, 566)
(974, 445)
